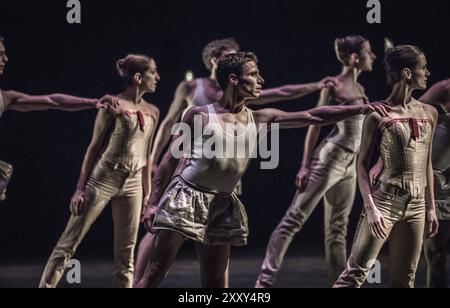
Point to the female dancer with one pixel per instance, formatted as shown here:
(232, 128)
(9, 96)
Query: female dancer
(399, 200)
(198, 203)
(204, 91)
(328, 172)
(116, 169)
(13, 100)
(436, 248)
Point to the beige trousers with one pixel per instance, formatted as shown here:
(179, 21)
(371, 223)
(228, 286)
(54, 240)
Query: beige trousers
(124, 190)
(404, 216)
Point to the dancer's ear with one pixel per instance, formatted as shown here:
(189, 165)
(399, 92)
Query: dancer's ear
(137, 78)
(407, 73)
(234, 80)
(354, 59)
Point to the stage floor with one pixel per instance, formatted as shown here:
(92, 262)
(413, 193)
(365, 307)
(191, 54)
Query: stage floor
(297, 272)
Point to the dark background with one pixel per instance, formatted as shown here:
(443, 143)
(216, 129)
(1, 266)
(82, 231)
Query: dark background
(293, 39)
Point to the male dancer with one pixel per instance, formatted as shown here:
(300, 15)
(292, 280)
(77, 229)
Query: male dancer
(198, 203)
(204, 91)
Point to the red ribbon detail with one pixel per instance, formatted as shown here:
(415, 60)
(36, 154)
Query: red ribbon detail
(415, 134)
(141, 120)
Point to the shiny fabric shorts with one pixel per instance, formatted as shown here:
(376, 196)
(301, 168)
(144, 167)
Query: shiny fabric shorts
(442, 194)
(203, 216)
(6, 171)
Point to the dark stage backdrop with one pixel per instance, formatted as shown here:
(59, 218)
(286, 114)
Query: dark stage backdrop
(293, 39)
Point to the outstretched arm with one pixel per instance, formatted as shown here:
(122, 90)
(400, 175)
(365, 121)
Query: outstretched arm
(23, 102)
(102, 124)
(438, 96)
(320, 116)
(290, 92)
(173, 116)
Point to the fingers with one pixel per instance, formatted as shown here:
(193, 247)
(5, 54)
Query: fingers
(433, 228)
(76, 207)
(378, 230)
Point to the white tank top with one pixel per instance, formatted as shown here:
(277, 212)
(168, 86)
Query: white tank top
(215, 172)
(2, 104)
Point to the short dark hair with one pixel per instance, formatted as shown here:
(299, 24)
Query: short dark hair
(232, 64)
(397, 59)
(215, 48)
(348, 45)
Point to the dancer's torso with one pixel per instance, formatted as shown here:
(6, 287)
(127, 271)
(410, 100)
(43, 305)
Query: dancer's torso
(212, 167)
(129, 140)
(347, 133)
(404, 148)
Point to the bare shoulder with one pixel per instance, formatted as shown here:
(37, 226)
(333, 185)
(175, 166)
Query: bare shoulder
(186, 87)
(10, 96)
(194, 112)
(361, 87)
(152, 109)
(375, 119)
(265, 115)
(429, 109)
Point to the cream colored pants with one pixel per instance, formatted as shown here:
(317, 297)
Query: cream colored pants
(124, 190)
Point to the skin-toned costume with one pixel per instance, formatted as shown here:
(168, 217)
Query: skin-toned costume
(398, 190)
(116, 178)
(333, 179)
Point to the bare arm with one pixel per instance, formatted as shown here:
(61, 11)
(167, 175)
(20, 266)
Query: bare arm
(320, 116)
(147, 172)
(23, 102)
(369, 140)
(102, 124)
(173, 116)
(291, 92)
(311, 140)
(432, 222)
(438, 96)
(370, 136)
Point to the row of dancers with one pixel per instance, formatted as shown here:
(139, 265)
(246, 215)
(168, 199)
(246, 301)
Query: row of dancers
(406, 194)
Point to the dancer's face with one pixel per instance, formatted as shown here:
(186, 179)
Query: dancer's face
(420, 74)
(366, 58)
(150, 78)
(250, 82)
(3, 58)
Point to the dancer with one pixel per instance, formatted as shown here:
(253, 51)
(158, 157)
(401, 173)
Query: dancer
(436, 248)
(399, 200)
(119, 173)
(328, 171)
(13, 100)
(204, 91)
(198, 203)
